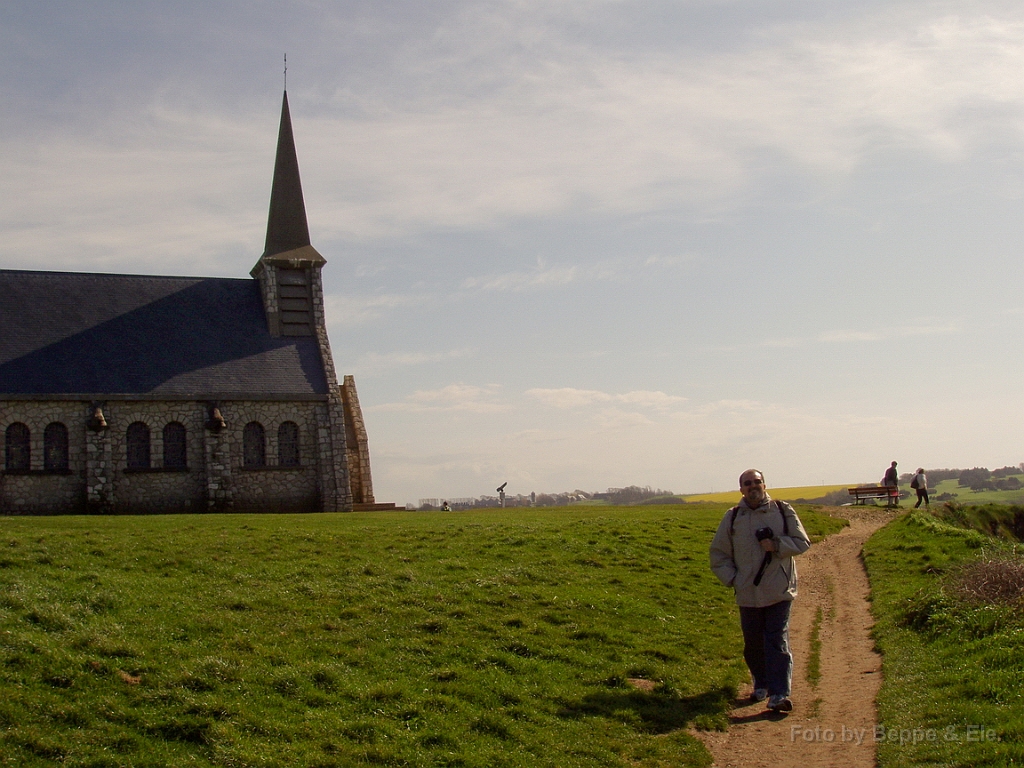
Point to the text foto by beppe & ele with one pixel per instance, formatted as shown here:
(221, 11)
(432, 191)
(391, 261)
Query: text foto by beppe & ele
(881, 733)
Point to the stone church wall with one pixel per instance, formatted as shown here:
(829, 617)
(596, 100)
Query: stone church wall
(274, 488)
(39, 491)
(157, 489)
(215, 477)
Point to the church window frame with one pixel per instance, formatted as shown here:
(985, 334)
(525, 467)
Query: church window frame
(288, 444)
(254, 446)
(17, 447)
(175, 438)
(138, 451)
(56, 453)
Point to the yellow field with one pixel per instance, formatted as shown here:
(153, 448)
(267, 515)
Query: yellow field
(785, 494)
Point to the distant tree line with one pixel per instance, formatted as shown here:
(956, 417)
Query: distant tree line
(632, 494)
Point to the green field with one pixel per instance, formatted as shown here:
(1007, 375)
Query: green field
(953, 690)
(534, 637)
(785, 494)
(486, 638)
(967, 496)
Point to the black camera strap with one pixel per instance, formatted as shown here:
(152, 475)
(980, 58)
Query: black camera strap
(764, 564)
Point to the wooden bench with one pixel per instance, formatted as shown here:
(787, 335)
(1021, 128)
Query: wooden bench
(890, 493)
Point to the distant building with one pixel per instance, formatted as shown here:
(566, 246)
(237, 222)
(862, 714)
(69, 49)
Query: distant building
(131, 393)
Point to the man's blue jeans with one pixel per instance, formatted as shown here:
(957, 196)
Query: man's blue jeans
(766, 646)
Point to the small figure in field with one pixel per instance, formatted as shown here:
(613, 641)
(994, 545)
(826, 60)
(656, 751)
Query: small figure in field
(920, 484)
(753, 552)
(892, 480)
(445, 507)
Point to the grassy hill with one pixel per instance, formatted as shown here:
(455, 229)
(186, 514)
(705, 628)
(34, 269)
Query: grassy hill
(485, 638)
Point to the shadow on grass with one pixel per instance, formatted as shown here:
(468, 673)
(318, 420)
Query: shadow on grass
(655, 711)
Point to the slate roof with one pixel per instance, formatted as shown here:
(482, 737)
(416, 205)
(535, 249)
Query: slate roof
(65, 333)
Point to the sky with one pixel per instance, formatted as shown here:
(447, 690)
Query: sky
(572, 245)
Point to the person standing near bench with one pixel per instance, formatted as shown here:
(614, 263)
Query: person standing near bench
(752, 552)
(892, 480)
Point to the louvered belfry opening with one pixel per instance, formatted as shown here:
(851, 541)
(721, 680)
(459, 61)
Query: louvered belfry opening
(296, 302)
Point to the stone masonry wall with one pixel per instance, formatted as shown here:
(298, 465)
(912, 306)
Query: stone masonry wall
(358, 445)
(274, 488)
(40, 492)
(98, 479)
(336, 491)
(156, 489)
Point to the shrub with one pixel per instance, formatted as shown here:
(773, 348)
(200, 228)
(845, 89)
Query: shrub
(990, 579)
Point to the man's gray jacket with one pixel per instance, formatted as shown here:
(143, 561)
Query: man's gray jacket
(736, 554)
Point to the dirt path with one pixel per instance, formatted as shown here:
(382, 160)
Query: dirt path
(832, 723)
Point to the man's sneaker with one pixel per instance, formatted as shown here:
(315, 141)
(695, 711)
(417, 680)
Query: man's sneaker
(759, 694)
(780, 703)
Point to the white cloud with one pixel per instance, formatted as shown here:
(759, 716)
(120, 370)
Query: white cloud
(841, 337)
(575, 126)
(359, 309)
(882, 334)
(568, 397)
(542, 277)
(553, 276)
(374, 363)
(499, 136)
(784, 343)
(464, 398)
(648, 399)
(159, 187)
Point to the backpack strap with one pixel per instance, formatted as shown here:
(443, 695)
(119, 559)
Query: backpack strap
(778, 505)
(785, 520)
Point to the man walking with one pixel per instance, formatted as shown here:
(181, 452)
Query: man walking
(753, 552)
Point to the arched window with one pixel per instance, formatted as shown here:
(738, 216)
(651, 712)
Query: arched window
(138, 446)
(16, 447)
(55, 446)
(175, 448)
(288, 444)
(254, 445)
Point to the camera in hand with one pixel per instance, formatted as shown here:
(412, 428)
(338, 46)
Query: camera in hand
(764, 533)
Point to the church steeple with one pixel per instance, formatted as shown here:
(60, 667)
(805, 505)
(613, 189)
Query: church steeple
(289, 270)
(287, 228)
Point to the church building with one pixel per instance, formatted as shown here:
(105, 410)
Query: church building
(149, 394)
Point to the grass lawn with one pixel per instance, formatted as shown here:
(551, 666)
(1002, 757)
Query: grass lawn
(953, 690)
(484, 638)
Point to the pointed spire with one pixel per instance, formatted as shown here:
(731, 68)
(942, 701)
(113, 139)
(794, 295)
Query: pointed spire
(287, 228)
